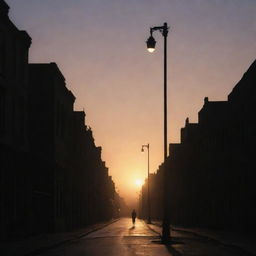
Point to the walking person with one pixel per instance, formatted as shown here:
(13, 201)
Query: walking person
(134, 215)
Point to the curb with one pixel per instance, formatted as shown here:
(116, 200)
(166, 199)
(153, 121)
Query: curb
(96, 229)
(237, 247)
(244, 252)
(44, 249)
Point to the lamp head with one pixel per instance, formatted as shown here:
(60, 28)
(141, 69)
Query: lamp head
(142, 149)
(151, 43)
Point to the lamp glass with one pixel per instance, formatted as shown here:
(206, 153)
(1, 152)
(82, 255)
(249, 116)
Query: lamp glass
(151, 43)
(151, 50)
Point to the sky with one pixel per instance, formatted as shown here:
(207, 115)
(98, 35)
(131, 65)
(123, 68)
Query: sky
(99, 45)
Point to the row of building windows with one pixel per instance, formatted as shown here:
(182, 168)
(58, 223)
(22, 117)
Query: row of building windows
(62, 120)
(18, 118)
(2, 111)
(2, 53)
(12, 58)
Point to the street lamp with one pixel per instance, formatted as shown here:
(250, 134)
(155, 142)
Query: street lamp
(151, 43)
(151, 47)
(149, 216)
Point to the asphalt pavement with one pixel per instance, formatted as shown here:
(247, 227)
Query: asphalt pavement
(121, 238)
(118, 239)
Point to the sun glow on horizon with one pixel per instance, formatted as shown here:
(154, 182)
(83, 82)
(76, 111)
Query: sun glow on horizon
(138, 182)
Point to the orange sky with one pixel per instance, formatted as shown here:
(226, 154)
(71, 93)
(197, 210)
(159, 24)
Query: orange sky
(100, 48)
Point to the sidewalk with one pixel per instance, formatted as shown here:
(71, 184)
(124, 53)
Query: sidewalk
(40, 243)
(245, 242)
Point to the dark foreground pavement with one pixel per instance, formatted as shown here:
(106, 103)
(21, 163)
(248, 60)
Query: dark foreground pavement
(37, 244)
(120, 238)
(117, 239)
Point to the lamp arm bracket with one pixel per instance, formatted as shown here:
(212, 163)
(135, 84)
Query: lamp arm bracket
(146, 146)
(163, 29)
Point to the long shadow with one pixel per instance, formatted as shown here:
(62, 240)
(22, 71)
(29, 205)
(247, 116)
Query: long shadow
(172, 250)
(169, 247)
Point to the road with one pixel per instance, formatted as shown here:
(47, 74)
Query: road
(122, 239)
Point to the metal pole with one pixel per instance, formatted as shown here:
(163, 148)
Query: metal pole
(166, 221)
(149, 215)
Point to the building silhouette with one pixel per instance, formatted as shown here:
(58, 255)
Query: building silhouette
(212, 170)
(52, 176)
(14, 46)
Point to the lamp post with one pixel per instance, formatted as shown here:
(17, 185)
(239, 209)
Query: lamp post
(149, 215)
(151, 47)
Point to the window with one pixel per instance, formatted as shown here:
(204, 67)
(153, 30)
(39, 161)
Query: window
(21, 120)
(2, 111)
(13, 56)
(2, 53)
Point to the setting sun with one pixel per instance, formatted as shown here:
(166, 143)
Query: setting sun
(138, 182)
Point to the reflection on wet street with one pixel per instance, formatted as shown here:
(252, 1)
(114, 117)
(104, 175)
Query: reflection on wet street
(119, 238)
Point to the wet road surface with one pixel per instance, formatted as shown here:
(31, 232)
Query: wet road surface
(121, 238)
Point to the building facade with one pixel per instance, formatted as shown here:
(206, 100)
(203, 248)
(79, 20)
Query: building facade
(14, 46)
(52, 176)
(51, 138)
(212, 171)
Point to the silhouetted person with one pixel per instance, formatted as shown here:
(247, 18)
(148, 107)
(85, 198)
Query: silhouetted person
(134, 215)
